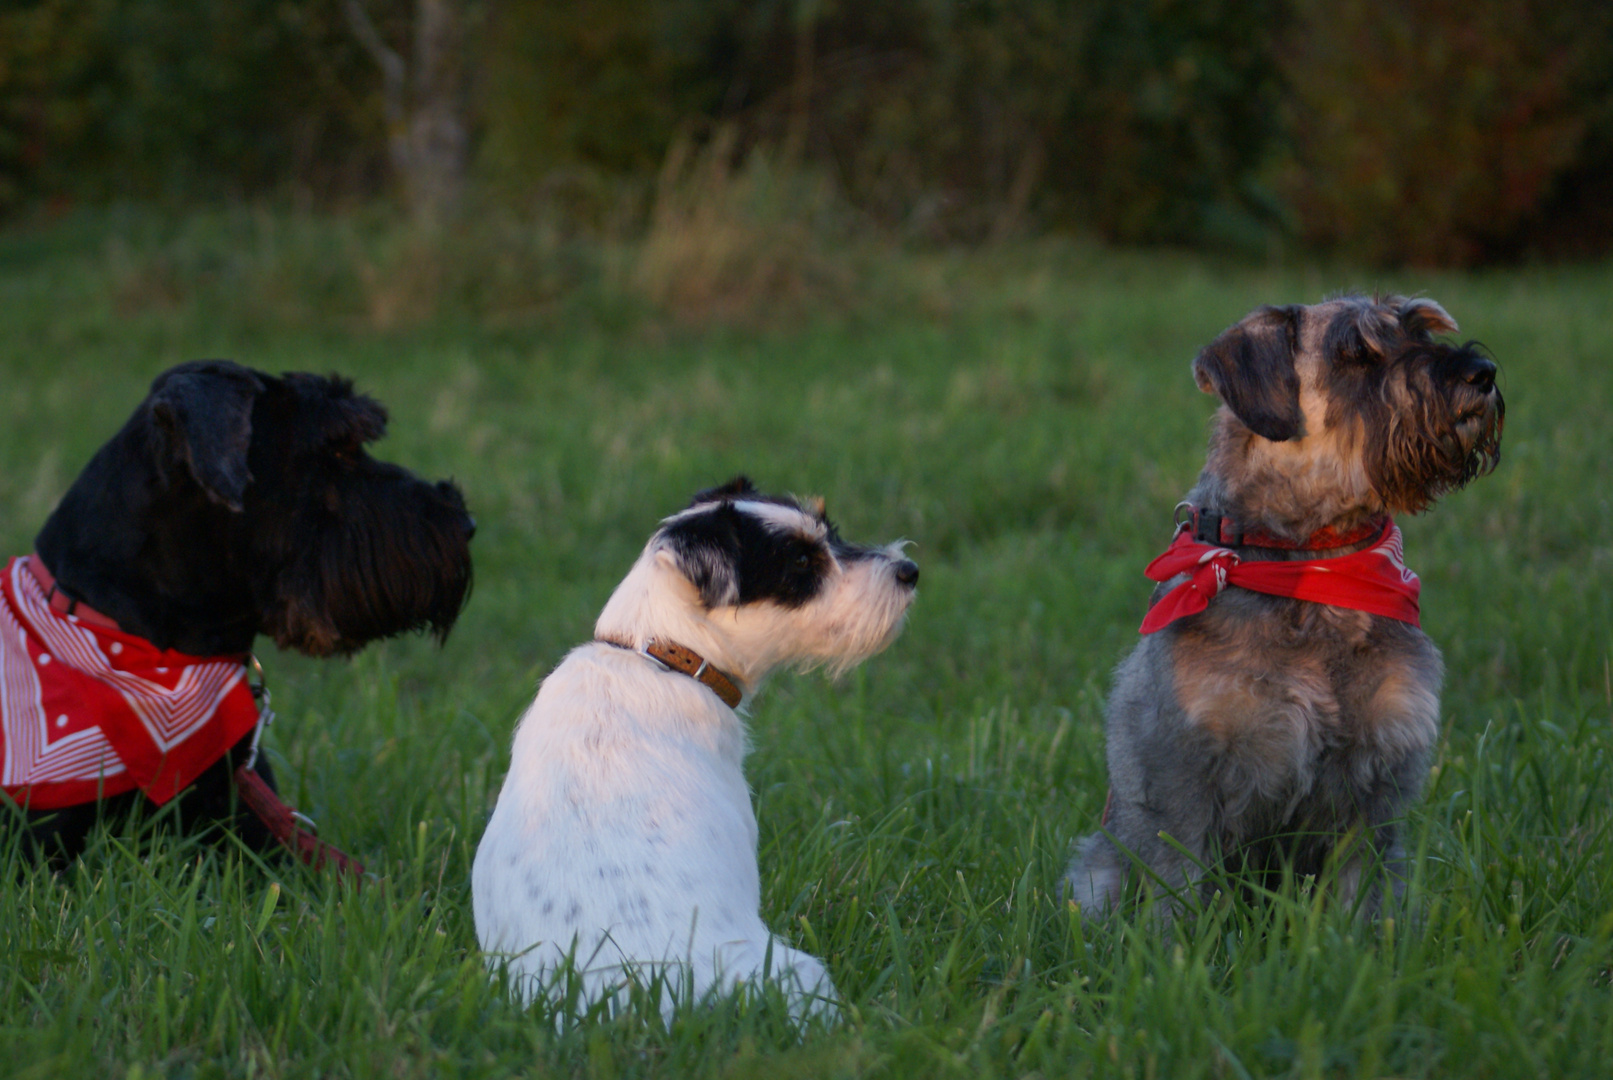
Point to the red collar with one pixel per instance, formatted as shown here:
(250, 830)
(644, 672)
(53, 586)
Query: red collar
(61, 602)
(1374, 579)
(1209, 526)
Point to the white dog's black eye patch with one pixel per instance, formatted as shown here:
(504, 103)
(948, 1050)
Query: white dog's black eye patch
(790, 570)
(735, 557)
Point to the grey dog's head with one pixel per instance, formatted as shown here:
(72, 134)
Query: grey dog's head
(1345, 408)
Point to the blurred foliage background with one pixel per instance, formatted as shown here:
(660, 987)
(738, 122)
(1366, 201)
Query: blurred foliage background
(1446, 132)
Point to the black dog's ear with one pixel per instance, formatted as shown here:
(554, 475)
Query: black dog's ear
(204, 411)
(704, 548)
(335, 412)
(1251, 368)
(737, 488)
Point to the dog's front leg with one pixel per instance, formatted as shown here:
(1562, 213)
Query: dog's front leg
(1376, 856)
(1153, 842)
(1393, 718)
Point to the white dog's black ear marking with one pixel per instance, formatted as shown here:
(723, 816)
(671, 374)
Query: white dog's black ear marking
(205, 412)
(733, 556)
(1251, 368)
(705, 550)
(739, 487)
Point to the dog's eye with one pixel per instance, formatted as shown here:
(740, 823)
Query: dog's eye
(803, 561)
(1356, 351)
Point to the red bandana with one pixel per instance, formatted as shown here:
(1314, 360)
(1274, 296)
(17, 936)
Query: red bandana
(1374, 580)
(87, 712)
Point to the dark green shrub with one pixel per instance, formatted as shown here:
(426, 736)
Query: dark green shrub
(178, 98)
(1434, 133)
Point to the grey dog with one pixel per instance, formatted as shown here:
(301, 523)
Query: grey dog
(1265, 733)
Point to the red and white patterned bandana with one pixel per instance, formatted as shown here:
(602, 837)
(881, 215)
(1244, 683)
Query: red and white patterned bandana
(88, 712)
(1374, 579)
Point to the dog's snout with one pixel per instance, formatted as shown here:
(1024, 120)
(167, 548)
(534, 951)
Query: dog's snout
(1480, 374)
(470, 527)
(907, 572)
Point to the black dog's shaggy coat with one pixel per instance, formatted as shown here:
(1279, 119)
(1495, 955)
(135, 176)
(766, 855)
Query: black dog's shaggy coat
(236, 503)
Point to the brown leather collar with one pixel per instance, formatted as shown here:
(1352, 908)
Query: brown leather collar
(675, 657)
(1211, 527)
(61, 602)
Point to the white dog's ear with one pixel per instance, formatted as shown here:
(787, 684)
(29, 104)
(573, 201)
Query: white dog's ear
(704, 549)
(739, 487)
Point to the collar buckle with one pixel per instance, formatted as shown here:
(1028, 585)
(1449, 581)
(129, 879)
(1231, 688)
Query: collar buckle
(258, 684)
(1208, 526)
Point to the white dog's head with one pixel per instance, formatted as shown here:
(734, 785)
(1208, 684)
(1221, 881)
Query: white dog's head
(754, 582)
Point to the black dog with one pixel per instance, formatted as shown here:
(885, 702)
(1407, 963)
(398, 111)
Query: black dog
(235, 503)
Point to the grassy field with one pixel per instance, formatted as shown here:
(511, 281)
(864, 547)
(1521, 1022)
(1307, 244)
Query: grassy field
(1026, 416)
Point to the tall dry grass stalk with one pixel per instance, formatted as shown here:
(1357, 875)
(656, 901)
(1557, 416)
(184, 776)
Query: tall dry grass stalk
(740, 243)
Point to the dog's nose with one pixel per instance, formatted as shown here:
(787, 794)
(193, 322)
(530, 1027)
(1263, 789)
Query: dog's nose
(907, 572)
(1480, 374)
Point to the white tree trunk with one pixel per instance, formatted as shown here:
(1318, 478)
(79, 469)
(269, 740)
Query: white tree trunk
(427, 139)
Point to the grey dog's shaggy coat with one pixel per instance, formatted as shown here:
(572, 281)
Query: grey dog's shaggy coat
(1264, 732)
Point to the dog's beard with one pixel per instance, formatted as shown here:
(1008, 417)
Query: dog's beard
(867, 611)
(1439, 448)
(856, 616)
(377, 576)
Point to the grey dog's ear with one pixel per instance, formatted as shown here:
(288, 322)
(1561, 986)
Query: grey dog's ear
(1251, 368)
(1423, 318)
(204, 411)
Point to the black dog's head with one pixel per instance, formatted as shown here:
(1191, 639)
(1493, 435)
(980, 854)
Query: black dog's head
(1349, 405)
(235, 503)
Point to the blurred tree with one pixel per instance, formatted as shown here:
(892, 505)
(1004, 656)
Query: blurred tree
(180, 98)
(601, 84)
(428, 135)
(944, 117)
(1448, 131)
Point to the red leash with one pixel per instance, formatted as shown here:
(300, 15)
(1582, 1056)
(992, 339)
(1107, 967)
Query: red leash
(296, 832)
(287, 826)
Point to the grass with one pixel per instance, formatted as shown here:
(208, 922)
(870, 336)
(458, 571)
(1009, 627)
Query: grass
(1025, 415)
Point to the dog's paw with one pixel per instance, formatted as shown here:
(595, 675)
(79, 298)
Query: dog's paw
(1094, 880)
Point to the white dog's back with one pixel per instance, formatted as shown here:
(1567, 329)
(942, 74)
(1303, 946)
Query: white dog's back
(624, 836)
(623, 845)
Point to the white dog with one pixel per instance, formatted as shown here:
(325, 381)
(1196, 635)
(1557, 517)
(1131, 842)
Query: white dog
(624, 840)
